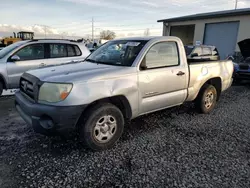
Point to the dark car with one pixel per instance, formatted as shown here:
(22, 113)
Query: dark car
(202, 53)
(242, 69)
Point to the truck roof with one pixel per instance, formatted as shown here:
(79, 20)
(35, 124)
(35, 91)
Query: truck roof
(202, 45)
(148, 38)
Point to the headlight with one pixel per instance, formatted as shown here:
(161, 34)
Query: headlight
(52, 92)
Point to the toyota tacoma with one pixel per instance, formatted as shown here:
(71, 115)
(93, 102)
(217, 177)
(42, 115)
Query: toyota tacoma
(121, 80)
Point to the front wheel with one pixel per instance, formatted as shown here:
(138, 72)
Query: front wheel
(206, 99)
(102, 127)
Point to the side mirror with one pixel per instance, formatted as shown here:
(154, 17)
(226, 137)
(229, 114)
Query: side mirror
(15, 58)
(194, 55)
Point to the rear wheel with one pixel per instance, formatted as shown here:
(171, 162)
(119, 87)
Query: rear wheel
(206, 99)
(1, 88)
(102, 126)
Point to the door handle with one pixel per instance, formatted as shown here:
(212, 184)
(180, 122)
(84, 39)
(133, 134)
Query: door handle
(180, 73)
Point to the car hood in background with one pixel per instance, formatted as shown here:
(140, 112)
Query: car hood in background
(244, 46)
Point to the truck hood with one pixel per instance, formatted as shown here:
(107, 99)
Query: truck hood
(244, 46)
(79, 72)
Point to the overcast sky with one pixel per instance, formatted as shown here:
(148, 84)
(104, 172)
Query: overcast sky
(125, 17)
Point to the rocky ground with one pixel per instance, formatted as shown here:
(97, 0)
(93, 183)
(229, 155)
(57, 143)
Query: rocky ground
(172, 148)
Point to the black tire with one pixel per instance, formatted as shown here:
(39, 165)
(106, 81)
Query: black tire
(89, 123)
(1, 88)
(201, 103)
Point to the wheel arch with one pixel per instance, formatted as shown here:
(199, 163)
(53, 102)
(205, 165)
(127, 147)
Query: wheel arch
(216, 82)
(120, 101)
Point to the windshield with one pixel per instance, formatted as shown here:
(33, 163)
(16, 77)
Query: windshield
(118, 52)
(9, 48)
(189, 49)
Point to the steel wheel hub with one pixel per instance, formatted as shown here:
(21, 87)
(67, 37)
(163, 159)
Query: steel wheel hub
(105, 129)
(209, 100)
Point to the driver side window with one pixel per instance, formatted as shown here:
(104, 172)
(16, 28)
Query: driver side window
(163, 54)
(31, 52)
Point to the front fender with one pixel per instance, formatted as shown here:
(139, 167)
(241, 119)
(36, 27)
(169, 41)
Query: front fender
(89, 92)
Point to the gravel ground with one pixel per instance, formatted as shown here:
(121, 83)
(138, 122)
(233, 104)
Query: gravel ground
(172, 148)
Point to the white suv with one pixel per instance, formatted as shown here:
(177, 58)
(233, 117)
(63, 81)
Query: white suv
(22, 56)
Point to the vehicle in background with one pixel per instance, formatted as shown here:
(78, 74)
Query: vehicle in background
(97, 96)
(242, 68)
(22, 35)
(202, 53)
(22, 56)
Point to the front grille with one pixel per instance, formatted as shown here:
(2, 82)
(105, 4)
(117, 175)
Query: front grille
(29, 86)
(244, 66)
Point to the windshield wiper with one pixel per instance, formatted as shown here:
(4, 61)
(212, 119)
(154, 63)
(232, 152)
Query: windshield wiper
(94, 61)
(91, 60)
(104, 63)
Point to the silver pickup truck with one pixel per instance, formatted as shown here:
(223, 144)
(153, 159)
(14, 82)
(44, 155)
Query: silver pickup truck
(121, 80)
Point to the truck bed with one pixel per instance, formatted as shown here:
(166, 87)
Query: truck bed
(201, 72)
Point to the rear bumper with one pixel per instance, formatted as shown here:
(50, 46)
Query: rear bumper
(48, 120)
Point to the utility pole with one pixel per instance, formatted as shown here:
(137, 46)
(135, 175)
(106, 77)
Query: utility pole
(147, 32)
(236, 4)
(92, 29)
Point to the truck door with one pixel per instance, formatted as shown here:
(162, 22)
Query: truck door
(27, 58)
(163, 78)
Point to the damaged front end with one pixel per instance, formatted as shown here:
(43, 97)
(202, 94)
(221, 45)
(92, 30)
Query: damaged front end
(242, 69)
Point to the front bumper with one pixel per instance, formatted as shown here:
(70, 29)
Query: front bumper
(48, 120)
